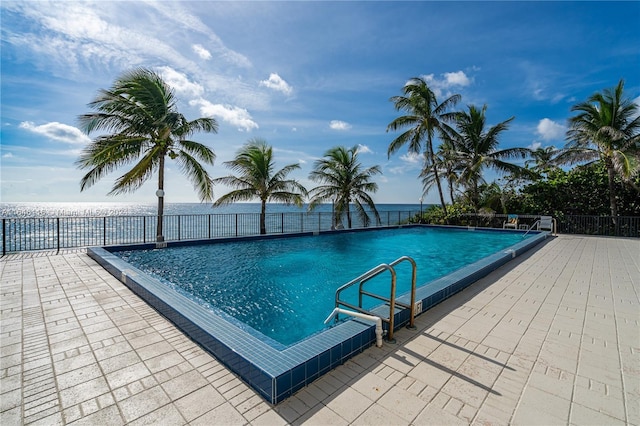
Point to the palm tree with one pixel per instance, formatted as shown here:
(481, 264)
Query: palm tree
(477, 149)
(344, 181)
(141, 113)
(447, 167)
(425, 116)
(543, 160)
(257, 179)
(606, 129)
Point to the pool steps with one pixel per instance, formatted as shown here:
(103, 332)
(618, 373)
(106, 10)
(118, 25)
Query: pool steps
(391, 300)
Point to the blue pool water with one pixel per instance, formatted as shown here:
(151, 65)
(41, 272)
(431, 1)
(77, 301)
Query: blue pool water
(284, 288)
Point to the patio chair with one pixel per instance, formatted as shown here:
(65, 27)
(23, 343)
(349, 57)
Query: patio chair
(545, 223)
(511, 222)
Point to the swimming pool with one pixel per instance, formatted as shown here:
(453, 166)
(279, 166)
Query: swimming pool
(277, 368)
(270, 285)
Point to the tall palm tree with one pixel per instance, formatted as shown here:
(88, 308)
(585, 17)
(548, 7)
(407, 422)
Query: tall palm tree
(344, 181)
(425, 117)
(141, 114)
(477, 149)
(257, 179)
(447, 166)
(543, 159)
(607, 129)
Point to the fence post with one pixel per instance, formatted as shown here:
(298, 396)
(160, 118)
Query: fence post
(209, 221)
(4, 236)
(104, 231)
(179, 222)
(282, 223)
(58, 232)
(144, 229)
(236, 224)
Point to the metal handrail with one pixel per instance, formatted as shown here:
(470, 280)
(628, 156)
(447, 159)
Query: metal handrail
(362, 279)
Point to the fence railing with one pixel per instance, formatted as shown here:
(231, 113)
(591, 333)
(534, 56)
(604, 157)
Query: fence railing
(619, 226)
(55, 233)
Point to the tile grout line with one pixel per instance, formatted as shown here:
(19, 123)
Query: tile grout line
(527, 381)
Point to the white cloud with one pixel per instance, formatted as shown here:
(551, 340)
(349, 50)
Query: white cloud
(411, 158)
(276, 82)
(201, 51)
(550, 130)
(180, 83)
(57, 131)
(458, 78)
(339, 125)
(448, 81)
(7, 155)
(363, 149)
(236, 116)
(534, 145)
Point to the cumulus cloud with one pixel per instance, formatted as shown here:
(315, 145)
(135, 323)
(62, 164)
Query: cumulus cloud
(7, 155)
(180, 83)
(201, 52)
(277, 83)
(57, 131)
(411, 158)
(233, 115)
(363, 149)
(339, 125)
(447, 82)
(534, 145)
(550, 130)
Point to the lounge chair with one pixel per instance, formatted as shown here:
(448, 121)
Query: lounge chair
(546, 224)
(511, 222)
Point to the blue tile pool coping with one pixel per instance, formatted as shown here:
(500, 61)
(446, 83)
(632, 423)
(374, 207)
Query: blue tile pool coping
(278, 372)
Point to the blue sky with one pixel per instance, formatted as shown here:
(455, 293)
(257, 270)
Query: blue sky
(305, 76)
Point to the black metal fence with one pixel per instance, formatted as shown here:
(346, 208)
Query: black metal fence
(55, 233)
(619, 226)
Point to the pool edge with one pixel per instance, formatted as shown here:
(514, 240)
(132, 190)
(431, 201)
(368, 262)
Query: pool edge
(277, 373)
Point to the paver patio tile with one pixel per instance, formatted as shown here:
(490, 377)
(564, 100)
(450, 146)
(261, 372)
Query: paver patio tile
(106, 416)
(581, 415)
(348, 403)
(529, 412)
(570, 307)
(184, 384)
(378, 415)
(443, 417)
(223, 414)
(78, 376)
(143, 403)
(126, 375)
(196, 403)
(83, 392)
(269, 418)
(165, 415)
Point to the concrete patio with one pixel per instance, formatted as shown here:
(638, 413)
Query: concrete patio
(551, 338)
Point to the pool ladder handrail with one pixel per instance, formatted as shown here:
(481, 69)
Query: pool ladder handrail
(362, 279)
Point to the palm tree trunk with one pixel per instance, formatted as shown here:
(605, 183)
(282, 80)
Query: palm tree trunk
(437, 176)
(160, 193)
(263, 217)
(612, 191)
(451, 191)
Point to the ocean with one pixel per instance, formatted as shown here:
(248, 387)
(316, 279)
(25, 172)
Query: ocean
(98, 209)
(40, 226)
